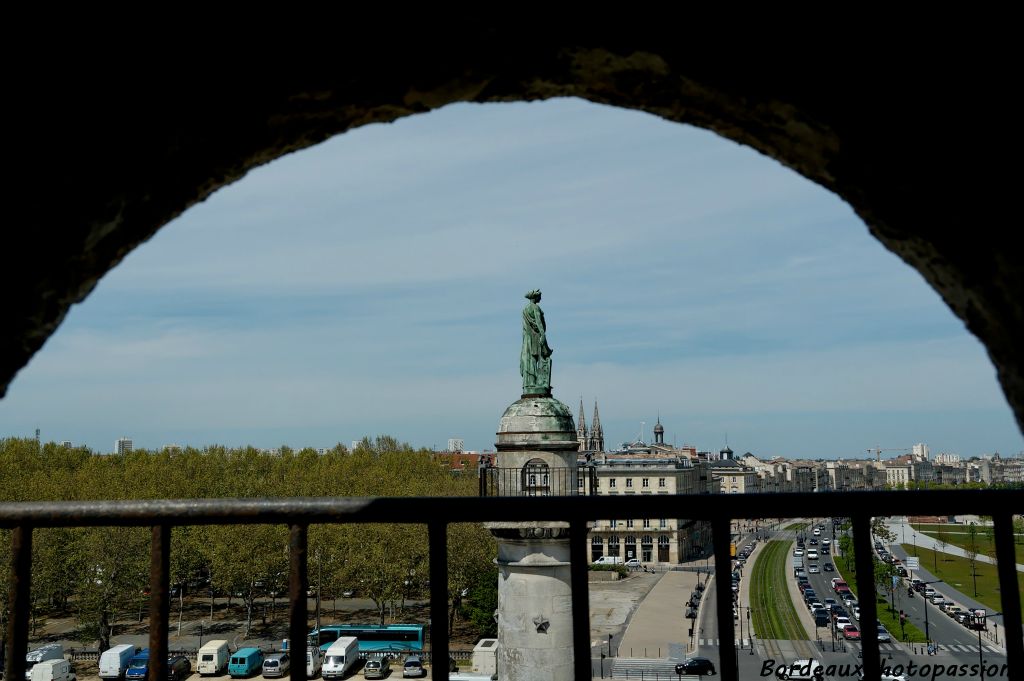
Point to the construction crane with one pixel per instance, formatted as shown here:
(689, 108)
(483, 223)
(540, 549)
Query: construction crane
(878, 451)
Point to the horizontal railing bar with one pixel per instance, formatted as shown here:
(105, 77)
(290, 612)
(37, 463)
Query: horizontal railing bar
(492, 509)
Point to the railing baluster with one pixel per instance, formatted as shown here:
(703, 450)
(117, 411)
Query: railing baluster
(159, 601)
(20, 593)
(1007, 569)
(578, 567)
(721, 537)
(865, 566)
(298, 626)
(438, 535)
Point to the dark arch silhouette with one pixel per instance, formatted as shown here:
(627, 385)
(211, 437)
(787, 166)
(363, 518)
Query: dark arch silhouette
(903, 132)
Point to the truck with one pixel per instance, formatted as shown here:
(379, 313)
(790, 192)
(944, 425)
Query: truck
(340, 657)
(114, 662)
(53, 670)
(51, 651)
(212, 658)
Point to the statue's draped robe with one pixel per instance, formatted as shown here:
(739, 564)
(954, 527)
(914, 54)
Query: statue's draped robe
(534, 362)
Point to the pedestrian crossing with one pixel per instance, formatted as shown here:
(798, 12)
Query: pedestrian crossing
(959, 648)
(715, 642)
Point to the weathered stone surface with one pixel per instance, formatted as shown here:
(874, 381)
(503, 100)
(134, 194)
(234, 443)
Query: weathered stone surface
(537, 423)
(906, 133)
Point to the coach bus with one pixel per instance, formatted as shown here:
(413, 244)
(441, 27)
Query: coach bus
(372, 638)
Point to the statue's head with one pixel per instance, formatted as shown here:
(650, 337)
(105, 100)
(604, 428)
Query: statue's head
(534, 295)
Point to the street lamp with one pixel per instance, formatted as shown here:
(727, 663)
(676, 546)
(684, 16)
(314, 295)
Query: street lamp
(979, 626)
(927, 635)
(750, 632)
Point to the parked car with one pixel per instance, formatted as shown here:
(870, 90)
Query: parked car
(413, 667)
(276, 665)
(634, 563)
(377, 668)
(179, 668)
(696, 665)
(938, 599)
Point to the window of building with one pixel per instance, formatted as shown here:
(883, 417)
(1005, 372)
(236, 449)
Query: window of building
(613, 523)
(629, 526)
(645, 482)
(629, 482)
(647, 523)
(611, 483)
(663, 523)
(661, 482)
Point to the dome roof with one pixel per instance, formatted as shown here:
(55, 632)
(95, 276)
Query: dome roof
(658, 428)
(538, 423)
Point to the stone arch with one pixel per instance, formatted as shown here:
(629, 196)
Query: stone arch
(536, 478)
(135, 153)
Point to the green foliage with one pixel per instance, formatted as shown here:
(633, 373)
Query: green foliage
(100, 574)
(483, 602)
(621, 569)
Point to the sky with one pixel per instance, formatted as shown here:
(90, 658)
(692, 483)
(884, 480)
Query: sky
(373, 285)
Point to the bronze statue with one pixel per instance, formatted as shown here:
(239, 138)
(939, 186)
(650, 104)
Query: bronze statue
(535, 358)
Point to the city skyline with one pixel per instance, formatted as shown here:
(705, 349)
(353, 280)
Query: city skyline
(373, 285)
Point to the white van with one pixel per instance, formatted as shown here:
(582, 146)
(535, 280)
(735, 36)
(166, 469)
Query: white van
(805, 669)
(53, 670)
(340, 657)
(608, 560)
(51, 651)
(114, 662)
(212, 658)
(313, 662)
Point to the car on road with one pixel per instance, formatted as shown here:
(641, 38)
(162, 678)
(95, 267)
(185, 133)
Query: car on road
(856, 611)
(883, 634)
(937, 599)
(828, 567)
(813, 569)
(820, 618)
(842, 622)
(851, 632)
(634, 563)
(348, 593)
(696, 665)
(798, 553)
(812, 554)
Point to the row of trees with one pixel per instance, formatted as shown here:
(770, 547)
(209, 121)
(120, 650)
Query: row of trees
(101, 574)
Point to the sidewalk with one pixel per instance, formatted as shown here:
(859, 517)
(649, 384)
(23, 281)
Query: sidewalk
(658, 627)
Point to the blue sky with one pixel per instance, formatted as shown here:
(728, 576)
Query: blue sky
(373, 285)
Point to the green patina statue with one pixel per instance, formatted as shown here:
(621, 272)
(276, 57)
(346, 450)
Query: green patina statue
(535, 359)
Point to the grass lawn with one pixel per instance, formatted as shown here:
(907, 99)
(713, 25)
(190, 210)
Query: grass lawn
(797, 526)
(956, 571)
(890, 619)
(957, 536)
(772, 611)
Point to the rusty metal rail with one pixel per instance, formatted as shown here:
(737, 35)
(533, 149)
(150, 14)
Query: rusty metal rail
(437, 514)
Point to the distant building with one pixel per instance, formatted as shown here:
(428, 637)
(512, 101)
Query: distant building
(66, 443)
(456, 444)
(123, 445)
(920, 452)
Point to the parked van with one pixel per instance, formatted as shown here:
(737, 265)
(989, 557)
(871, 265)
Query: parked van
(245, 662)
(313, 662)
(114, 662)
(212, 658)
(138, 666)
(53, 670)
(340, 657)
(608, 560)
(51, 651)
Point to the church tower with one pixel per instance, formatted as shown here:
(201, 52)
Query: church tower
(596, 432)
(581, 430)
(659, 432)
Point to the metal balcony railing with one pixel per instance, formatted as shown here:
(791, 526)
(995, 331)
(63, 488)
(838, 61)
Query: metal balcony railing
(537, 481)
(299, 514)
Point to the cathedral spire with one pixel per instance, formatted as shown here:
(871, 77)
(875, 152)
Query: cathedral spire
(581, 429)
(596, 432)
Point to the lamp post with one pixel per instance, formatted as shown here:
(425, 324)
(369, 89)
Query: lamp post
(983, 625)
(927, 635)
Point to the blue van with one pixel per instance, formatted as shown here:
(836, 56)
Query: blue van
(245, 662)
(138, 666)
